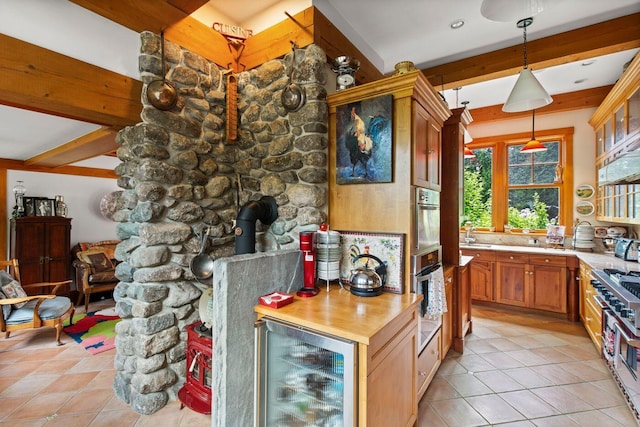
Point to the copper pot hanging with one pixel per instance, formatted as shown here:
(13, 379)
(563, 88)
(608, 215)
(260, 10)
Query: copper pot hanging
(162, 93)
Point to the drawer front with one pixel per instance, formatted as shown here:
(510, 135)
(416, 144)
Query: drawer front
(479, 255)
(557, 261)
(428, 363)
(512, 257)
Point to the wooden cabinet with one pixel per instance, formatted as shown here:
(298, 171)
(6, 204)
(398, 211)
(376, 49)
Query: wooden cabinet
(418, 116)
(426, 148)
(428, 363)
(519, 279)
(42, 246)
(617, 128)
(590, 311)
(462, 301)
(447, 316)
(481, 274)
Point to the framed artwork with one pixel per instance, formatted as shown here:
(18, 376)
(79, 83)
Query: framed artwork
(45, 207)
(364, 143)
(585, 191)
(585, 208)
(388, 247)
(555, 234)
(29, 206)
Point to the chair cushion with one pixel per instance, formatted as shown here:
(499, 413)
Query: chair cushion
(97, 258)
(6, 308)
(49, 309)
(102, 277)
(11, 288)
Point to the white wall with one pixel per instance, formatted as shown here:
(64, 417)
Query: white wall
(81, 194)
(584, 168)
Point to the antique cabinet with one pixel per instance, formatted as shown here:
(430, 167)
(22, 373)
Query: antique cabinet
(418, 114)
(42, 245)
(617, 131)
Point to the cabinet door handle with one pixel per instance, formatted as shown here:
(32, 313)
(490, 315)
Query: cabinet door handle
(511, 257)
(423, 374)
(547, 260)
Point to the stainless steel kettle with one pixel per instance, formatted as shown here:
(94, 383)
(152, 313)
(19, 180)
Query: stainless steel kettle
(368, 282)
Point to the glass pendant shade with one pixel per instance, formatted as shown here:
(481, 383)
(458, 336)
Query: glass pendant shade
(468, 154)
(527, 94)
(533, 146)
(511, 10)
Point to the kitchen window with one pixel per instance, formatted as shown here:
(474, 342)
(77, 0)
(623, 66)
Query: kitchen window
(524, 190)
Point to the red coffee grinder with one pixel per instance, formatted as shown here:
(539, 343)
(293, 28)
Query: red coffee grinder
(308, 248)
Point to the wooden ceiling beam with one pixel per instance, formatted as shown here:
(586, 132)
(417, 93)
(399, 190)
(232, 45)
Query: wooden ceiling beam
(600, 39)
(97, 143)
(19, 165)
(588, 98)
(39, 79)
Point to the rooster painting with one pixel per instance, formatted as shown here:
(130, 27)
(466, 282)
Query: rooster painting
(364, 141)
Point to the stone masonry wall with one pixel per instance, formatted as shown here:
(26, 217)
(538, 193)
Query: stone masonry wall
(179, 175)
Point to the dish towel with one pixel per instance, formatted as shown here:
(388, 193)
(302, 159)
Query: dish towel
(436, 298)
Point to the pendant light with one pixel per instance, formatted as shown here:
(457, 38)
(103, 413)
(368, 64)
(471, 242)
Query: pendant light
(528, 93)
(510, 10)
(533, 146)
(468, 154)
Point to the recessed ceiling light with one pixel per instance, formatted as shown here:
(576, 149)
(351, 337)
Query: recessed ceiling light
(458, 23)
(588, 62)
(580, 81)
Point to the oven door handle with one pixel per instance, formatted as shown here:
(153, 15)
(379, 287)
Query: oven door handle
(600, 302)
(632, 342)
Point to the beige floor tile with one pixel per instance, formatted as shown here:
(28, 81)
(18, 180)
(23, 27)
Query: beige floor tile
(594, 418)
(428, 417)
(498, 381)
(556, 374)
(122, 418)
(527, 357)
(555, 421)
(92, 402)
(502, 360)
(25, 423)
(494, 409)
(11, 404)
(562, 399)
(504, 344)
(593, 395)
(41, 406)
(457, 412)
(440, 389)
(475, 363)
(450, 366)
(467, 385)
(585, 371)
(528, 404)
(621, 414)
(70, 420)
(70, 382)
(527, 377)
(29, 385)
(551, 355)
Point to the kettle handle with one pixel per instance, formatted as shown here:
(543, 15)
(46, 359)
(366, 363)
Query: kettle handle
(381, 269)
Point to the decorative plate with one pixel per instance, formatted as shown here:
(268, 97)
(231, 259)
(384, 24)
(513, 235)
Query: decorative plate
(585, 191)
(584, 208)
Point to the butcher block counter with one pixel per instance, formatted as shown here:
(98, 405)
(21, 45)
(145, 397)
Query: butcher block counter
(385, 328)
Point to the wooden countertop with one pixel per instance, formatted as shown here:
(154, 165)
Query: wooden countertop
(340, 313)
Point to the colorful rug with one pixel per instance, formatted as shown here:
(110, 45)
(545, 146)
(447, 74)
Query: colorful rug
(95, 331)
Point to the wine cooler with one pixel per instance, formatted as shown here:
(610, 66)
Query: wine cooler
(303, 377)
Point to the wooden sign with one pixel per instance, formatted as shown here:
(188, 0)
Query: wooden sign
(232, 31)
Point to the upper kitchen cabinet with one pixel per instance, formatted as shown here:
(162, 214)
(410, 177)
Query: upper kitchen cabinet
(359, 200)
(617, 126)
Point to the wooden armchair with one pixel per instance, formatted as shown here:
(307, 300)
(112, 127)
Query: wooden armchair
(39, 310)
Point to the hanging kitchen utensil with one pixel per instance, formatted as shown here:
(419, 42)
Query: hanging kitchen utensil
(162, 93)
(232, 107)
(293, 96)
(202, 264)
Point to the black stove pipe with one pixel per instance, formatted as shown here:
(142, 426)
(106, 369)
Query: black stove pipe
(266, 210)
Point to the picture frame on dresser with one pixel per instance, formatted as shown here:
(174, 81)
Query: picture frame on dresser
(29, 206)
(45, 207)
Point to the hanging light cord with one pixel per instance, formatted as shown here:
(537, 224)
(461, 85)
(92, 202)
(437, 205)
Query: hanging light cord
(524, 35)
(533, 125)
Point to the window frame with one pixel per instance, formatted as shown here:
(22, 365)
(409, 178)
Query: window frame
(500, 176)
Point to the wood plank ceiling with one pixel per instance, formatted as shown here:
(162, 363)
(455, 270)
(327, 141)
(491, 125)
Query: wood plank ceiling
(34, 78)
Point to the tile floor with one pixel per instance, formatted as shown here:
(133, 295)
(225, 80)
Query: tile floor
(523, 370)
(517, 370)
